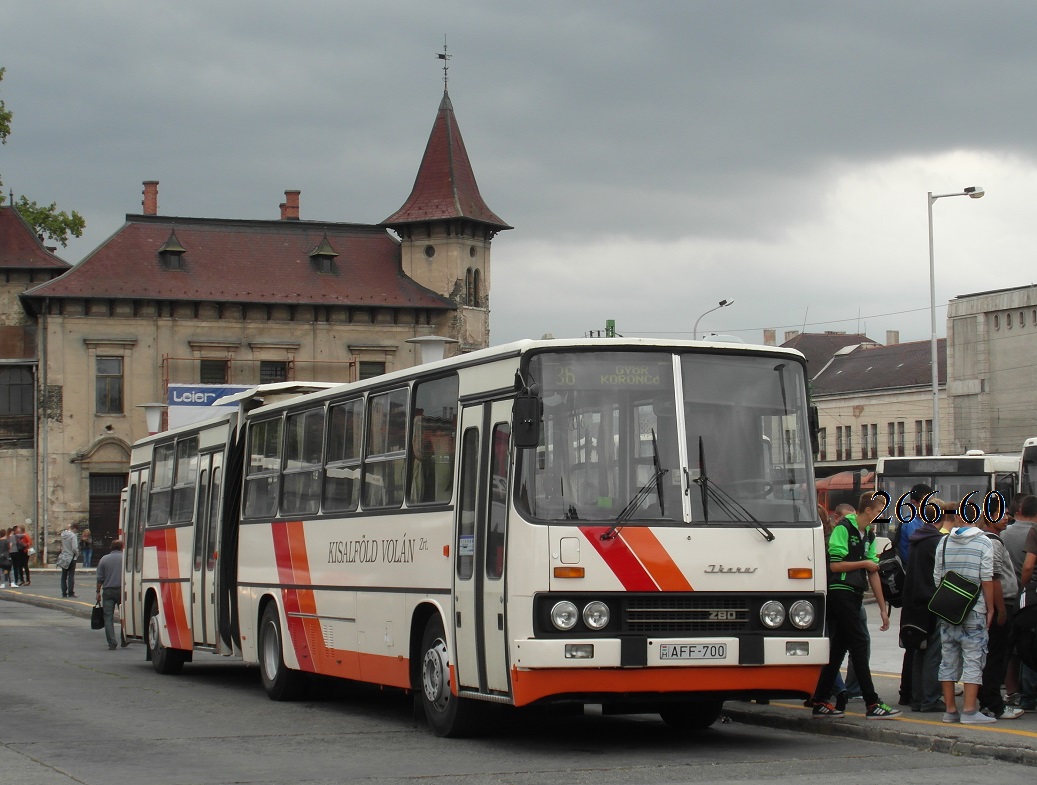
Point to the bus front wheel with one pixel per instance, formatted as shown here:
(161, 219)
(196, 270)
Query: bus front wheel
(280, 682)
(694, 715)
(164, 660)
(447, 714)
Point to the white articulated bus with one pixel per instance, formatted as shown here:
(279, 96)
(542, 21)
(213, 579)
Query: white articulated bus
(622, 522)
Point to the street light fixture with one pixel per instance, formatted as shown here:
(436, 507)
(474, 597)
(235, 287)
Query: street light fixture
(973, 192)
(721, 304)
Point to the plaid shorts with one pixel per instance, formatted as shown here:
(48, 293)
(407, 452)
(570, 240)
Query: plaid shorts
(964, 651)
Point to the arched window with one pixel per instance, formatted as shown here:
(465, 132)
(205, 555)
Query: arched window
(469, 287)
(476, 289)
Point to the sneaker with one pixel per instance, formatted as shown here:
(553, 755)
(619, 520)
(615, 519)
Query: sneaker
(932, 708)
(951, 716)
(1011, 713)
(976, 718)
(880, 711)
(824, 710)
(840, 701)
(1013, 699)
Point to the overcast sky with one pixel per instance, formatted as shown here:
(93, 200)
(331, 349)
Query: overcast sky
(653, 157)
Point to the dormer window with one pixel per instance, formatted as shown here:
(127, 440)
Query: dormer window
(172, 253)
(323, 256)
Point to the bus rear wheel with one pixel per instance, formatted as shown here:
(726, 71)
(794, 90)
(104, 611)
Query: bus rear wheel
(164, 660)
(447, 714)
(280, 682)
(693, 715)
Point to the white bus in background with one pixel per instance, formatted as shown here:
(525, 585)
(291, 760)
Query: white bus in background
(952, 477)
(1028, 467)
(587, 521)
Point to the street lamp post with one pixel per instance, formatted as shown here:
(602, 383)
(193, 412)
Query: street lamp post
(722, 304)
(973, 192)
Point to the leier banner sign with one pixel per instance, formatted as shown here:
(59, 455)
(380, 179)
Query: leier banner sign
(189, 403)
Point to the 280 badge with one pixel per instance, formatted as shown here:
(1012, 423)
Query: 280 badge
(993, 508)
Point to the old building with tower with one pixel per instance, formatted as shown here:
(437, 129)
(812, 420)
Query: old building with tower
(173, 305)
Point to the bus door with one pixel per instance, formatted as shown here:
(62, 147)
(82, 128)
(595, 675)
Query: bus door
(206, 533)
(479, 548)
(133, 553)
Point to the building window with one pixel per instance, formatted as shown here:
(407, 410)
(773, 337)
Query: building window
(891, 438)
(109, 385)
(370, 368)
(838, 442)
(271, 371)
(1008, 320)
(918, 437)
(997, 322)
(849, 443)
(929, 437)
(1022, 318)
(476, 289)
(822, 444)
(212, 371)
(874, 452)
(15, 391)
(900, 438)
(865, 448)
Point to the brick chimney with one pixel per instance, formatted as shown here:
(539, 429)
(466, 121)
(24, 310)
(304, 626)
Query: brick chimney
(790, 334)
(290, 207)
(892, 337)
(770, 337)
(150, 201)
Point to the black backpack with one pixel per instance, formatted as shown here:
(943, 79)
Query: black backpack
(892, 574)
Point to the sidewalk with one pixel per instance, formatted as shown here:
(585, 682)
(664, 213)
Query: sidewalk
(1012, 741)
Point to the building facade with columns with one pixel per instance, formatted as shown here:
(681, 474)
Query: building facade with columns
(171, 303)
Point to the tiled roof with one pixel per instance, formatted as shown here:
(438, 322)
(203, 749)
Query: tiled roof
(245, 262)
(445, 187)
(20, 248)
(876, 368)
(818, 348)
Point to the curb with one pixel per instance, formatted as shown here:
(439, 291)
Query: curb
(51, 603)
(880, 732)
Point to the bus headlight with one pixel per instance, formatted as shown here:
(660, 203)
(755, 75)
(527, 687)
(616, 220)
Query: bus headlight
(772, 614)
(596, 615)
(802, 614)
(564, 615)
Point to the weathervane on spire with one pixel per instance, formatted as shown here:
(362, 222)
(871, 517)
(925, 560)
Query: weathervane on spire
(446, 62)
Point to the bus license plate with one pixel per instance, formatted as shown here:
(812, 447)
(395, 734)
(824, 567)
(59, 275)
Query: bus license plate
(692, 651)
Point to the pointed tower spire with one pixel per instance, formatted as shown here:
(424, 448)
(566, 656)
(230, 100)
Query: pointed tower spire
(445, 188)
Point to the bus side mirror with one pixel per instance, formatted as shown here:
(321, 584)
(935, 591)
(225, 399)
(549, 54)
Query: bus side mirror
(815, 426)
(526, 414)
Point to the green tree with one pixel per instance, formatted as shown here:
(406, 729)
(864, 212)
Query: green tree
(46, 220)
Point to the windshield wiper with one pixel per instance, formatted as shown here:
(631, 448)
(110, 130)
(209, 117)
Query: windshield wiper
(642, 493)
(725, 501)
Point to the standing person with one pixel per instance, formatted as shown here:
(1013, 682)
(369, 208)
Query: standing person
(917, 494)
(919, 631)
(5, 559)
(852, 566)
(86, 547)
(67, 559)
(964, 646)
(21, 556)
(109, 591)
(1018, 539)
(1006, 601)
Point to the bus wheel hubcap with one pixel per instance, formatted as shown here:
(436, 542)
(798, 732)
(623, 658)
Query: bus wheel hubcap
(434, 675)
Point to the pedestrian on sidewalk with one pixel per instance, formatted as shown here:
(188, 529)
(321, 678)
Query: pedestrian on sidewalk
(21, 556)
(86, 547)
(1006, 601)
(67, 559)
(852, 567)
(919, 631)
(6, 563)
(109, 591)
(964, 646)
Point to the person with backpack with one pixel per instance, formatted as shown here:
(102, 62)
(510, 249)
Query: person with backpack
(919, 632)
(852, 567)
(999, 644)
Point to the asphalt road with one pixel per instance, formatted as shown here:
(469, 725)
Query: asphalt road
(74, 712)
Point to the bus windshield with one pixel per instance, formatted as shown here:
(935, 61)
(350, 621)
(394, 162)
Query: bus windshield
(616, 447)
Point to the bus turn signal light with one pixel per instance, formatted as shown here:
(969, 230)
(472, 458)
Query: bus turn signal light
(569, 572)
(801, 573)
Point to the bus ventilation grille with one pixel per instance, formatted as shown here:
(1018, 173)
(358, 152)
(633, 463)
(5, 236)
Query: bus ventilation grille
(685, 614)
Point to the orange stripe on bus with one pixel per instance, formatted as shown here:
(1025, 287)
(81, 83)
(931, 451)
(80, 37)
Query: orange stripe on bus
(532, 685)
(655, 558)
